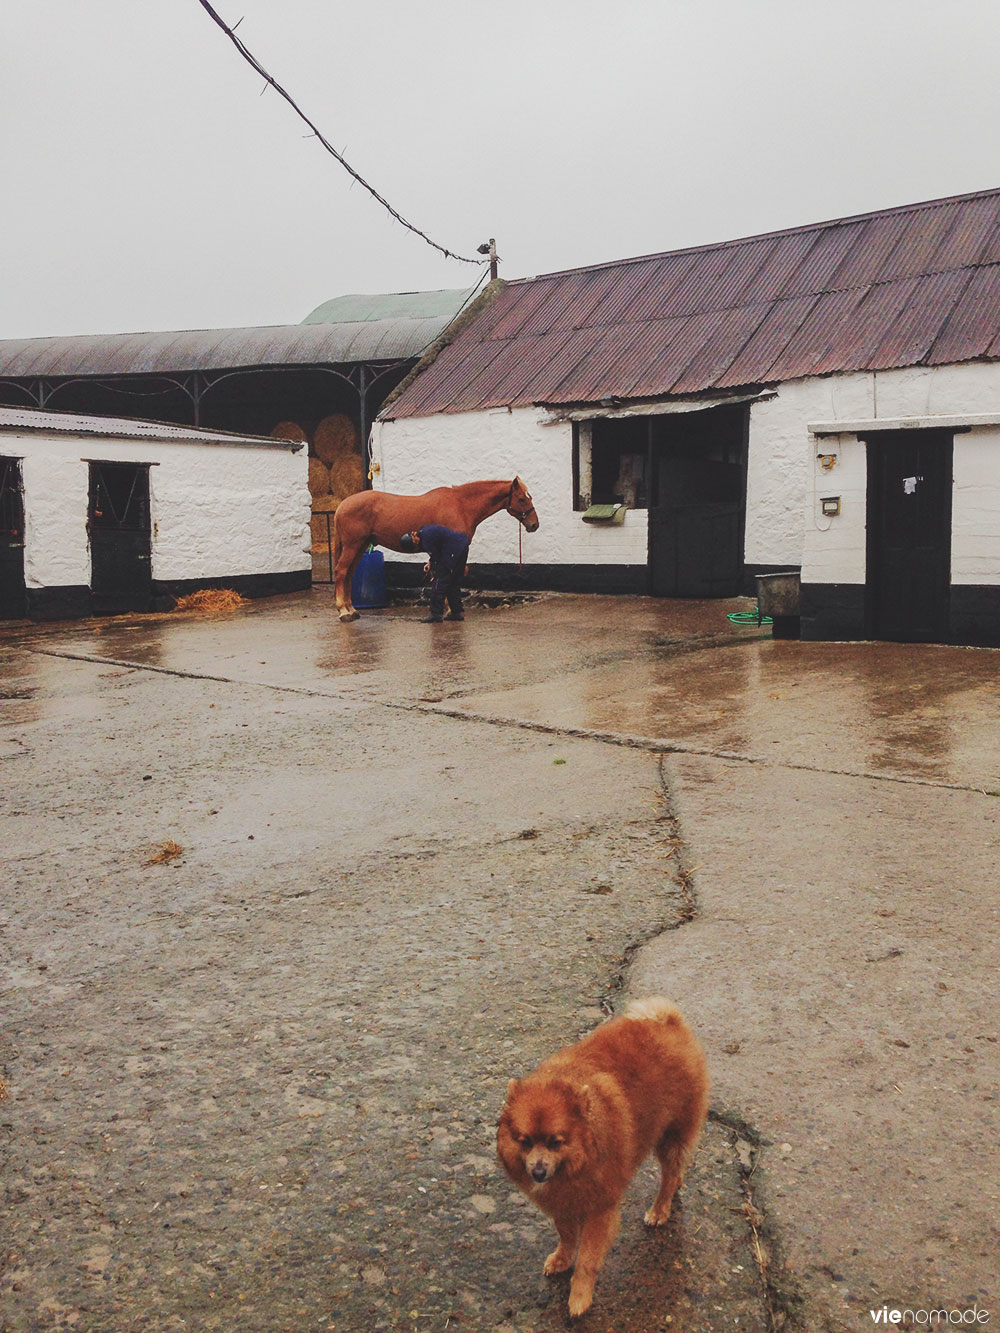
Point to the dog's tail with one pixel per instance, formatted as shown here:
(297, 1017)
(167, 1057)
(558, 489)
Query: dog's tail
(654, 1009)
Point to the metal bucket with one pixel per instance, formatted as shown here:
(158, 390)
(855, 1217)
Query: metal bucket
(778, 595)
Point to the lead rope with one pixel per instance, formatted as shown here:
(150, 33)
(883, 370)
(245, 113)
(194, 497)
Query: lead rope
(520, 546)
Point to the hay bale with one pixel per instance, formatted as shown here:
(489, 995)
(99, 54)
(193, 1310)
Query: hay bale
(289, 430)
(336, 436)
(322, 505)
(319, 478)
(347, 475)
(206, 601)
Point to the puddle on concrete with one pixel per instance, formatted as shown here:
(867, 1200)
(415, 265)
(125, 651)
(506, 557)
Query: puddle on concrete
(907, 710)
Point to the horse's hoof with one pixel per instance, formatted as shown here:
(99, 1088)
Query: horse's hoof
(345, 616)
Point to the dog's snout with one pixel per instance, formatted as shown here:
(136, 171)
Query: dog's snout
(539, 1171)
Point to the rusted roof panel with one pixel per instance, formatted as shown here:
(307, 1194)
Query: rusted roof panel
(816, 336)
(815, 273)
(972, 329)
(615, 358)
(622, 284)
(976, 223)
(877, 310)
(454, 370)
(907, 286)
(725, 334)
(522, 363)
(511, 316)
(780, 321)
(914, 252)
(574, 309)
(918, 324)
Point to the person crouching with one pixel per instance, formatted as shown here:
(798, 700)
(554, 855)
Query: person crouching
(448, 551)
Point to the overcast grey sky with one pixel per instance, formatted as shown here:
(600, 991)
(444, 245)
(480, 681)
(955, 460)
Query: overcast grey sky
(147, 183)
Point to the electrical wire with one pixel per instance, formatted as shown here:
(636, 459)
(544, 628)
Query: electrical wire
(252, 60)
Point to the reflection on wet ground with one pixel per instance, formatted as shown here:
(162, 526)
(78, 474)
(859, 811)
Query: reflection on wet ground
(918, 711)
(664, 670)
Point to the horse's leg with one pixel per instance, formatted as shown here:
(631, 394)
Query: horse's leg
(347, 556)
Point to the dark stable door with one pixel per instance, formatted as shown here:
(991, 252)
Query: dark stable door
(696, 531)
(118, 522)
(909, 535)
(12, 596)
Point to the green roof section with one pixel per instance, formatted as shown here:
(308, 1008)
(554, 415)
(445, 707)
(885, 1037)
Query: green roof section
(390, 305)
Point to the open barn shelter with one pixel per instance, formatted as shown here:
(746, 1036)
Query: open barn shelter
(320, 382)
(102, 515)
(822, 401)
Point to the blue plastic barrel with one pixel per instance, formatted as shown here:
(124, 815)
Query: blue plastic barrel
(368, 584)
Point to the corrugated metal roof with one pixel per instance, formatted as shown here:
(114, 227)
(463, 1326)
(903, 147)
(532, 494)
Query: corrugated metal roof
(391, 305)
(389, 328)
(30, 420)
(906, 286)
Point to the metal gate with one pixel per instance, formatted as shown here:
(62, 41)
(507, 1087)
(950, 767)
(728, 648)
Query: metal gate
(12, 594)
(121, 576)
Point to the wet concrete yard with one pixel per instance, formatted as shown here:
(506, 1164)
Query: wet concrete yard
(254, 1085)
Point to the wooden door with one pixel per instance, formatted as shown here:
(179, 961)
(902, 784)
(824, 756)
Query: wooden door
(12, 593)
(908, 582)
(119, 528)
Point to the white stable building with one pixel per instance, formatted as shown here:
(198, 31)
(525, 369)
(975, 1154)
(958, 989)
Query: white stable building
(823, 401)
(104, 515)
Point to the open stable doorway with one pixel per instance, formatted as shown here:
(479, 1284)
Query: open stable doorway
(119, 530)
(688, 470)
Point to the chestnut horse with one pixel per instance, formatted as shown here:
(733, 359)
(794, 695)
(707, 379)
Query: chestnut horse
(380, 518)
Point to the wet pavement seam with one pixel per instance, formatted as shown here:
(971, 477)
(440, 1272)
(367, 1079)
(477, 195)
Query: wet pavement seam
(656, 745)
(780, 1300)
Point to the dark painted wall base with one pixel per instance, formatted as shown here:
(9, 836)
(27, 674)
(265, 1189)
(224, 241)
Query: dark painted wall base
(534, 578)
(70, 602)
(837, 611)
(247, 585)
(74, 602)
(975, 615)
(566, 578)
(832, 611)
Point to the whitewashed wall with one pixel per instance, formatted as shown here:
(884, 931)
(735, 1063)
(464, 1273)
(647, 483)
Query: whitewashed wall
(216, 509)
(418, 453)
(833, 549)
(975, 534)
(784, 481)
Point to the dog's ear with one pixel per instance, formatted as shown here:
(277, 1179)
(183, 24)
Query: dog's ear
(512, 1087)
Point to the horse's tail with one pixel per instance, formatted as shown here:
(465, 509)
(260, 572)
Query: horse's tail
(338, 540)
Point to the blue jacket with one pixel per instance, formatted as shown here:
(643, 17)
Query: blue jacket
(445, 546)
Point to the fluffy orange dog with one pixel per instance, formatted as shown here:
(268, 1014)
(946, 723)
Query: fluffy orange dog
(573, 1133)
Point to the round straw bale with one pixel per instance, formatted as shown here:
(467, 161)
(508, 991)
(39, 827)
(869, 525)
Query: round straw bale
(289, 430)
(323, 505)
(347, 475)
(319, 478)
(335, 435)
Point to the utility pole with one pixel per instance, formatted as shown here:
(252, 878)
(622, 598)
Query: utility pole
(490, 248)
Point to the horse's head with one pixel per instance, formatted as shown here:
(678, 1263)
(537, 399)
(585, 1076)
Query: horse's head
(519, 504)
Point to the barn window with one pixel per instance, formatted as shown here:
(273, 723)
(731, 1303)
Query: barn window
(611, 463)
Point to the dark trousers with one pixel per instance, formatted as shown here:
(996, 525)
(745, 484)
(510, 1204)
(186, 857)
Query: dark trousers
(446, 585)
